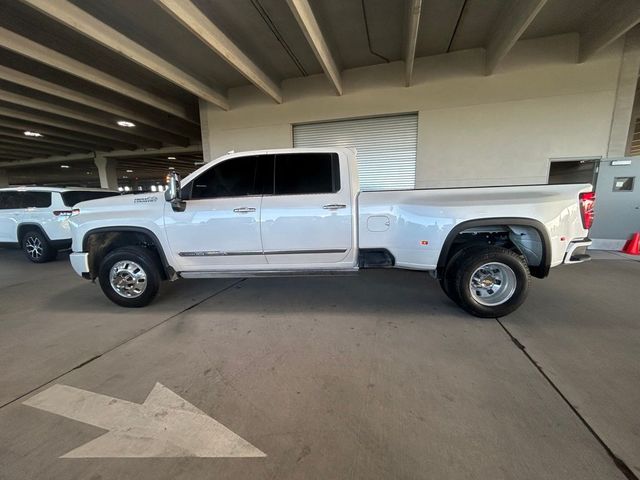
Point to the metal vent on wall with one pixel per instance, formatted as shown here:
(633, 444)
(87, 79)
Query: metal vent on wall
(387, 147)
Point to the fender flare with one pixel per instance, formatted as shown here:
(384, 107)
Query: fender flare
(168, 269)
(539, 271)
(30, 224)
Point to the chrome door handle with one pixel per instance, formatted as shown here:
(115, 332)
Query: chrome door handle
(334, 206)
(244, 210)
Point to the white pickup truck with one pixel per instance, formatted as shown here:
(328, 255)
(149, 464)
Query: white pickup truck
(301, 212)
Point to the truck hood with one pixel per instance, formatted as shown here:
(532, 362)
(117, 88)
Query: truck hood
(128, 202)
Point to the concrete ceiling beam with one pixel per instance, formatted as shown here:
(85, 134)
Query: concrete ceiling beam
(54, 149)
(77, 19)
(162, 152)
(33, 150)
(14, 155)
(35, 83)
(51, 142)
(607, 23)
(11, 158)
(411, 38)
(57, 135)
(28, 48)
(516, 16)
(54, 159)
(303, 13)
(113, 154)
(191, 17)
(104, 132)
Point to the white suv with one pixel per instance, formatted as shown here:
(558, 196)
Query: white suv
(36, 218)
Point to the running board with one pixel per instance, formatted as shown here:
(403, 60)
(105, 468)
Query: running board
(268, 273)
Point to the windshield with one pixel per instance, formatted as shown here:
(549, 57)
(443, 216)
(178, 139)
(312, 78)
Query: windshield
(71, 198)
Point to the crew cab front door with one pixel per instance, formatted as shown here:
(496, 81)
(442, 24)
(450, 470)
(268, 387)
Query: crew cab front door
(220, 225)
(308, 221)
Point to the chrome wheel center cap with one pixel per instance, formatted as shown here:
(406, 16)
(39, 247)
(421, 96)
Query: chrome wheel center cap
(128, 279)
(492, 284)
(488, 282)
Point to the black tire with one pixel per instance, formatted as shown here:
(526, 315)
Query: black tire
(447, 282)
(514, 279)
(37, 248)
(448, 279)
(146, 260)
(444, 287)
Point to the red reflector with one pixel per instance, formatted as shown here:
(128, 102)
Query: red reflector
(587, 205)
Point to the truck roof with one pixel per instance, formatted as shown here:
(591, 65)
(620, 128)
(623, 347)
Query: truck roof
(53, 189)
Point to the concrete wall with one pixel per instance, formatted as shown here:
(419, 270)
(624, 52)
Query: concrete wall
(473, 129)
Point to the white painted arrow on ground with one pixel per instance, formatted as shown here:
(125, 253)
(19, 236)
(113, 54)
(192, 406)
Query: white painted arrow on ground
(165, 425)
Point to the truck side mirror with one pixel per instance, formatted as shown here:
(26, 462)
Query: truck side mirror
(173, 193)
(173, 188)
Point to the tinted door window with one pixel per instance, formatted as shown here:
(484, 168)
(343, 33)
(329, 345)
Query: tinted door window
(235, 177)
(35, 199)
(19, 200)
(9, 200)
(71, 198)
(306, 173)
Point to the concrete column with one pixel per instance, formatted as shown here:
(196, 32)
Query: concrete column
(107, 172)
(635, 115)
(625, 96)
(205, 131)
(4, 177)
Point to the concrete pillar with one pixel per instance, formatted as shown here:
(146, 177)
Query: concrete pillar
(205, 131)
(4, 177)
(625, 96)
(635, 115)
(107, 172)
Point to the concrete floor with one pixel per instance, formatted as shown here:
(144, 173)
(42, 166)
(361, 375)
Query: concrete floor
(377, 376)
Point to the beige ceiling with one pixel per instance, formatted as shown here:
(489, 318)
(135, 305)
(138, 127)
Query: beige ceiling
(65, 74)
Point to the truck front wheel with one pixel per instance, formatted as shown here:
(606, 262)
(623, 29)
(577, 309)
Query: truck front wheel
(490, 281)
(129, 276)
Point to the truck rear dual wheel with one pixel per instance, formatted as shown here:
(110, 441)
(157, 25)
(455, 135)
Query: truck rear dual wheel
(130, 276)
(487, 281)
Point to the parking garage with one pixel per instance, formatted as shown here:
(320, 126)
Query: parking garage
(375, 375)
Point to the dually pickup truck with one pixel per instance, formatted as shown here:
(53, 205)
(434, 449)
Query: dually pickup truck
(301, 212)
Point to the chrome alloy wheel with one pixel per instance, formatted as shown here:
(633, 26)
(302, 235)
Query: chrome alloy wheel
(492, 284)
(34, 246)
(128, 279)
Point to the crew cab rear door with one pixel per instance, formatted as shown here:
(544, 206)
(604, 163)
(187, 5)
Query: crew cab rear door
(308, 220)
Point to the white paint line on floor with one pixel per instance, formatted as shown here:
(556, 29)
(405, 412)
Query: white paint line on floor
(165, 425)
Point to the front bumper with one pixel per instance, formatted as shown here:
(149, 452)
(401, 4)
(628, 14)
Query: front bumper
(80, 263)
(577, 251)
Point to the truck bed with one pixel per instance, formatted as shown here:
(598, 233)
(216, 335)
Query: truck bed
(414, 224)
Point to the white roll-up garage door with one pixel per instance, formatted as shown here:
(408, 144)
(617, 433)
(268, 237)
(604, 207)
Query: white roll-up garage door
(386, 147)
